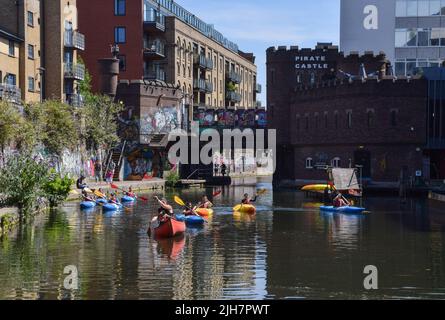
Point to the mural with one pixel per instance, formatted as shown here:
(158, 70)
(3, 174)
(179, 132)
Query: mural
(159, 121)
(226, 118)
(205, 118)
(261, 118)
(245, 118)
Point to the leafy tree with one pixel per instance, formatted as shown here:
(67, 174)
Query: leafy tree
(9, 125)
(57, 188)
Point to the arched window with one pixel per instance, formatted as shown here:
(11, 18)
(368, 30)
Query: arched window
(309, 163)
(335, 163)
(393, 118)
(370, 114)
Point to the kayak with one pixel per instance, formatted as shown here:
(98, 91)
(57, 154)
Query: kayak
(168, 229)
(346, 210)
(128, 199)
(203, 212)
(111, 207)
(315, 187)
(190, 220)
(87, 204)
(245, 208)
(101, 201)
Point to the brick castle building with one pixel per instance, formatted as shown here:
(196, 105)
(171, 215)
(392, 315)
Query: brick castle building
(331, 109)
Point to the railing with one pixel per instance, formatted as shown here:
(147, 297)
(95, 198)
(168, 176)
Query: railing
(74, 71)
(152, 16)
(258, 88)
(74, 39)
(155, 47)
(203, 85)
(233, 96)
(11, 93)
(155, 74)
(209, 87)
(203, 62)
(233, 76)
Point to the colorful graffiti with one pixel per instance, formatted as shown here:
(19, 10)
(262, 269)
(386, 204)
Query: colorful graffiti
(205, 118)
(245, 118)
(159, 121)
(226, 118)
(261, 116)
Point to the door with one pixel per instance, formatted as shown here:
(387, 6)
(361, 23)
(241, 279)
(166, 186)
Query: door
(363, 158)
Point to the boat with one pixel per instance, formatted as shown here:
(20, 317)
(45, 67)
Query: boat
(111, 207)
(315, 187)
(101, 201)
(128, 199)
(203, 212)
(87, 204)
(190, 220)
(168, 229)
(345, 210)
(245, 208)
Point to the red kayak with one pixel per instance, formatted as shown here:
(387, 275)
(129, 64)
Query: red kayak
(168, 229)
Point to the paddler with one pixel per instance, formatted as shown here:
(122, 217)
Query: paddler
(165, 211)
(130, 193)
(204, 204)
(247, 199)
(340, 201)
(189, 211)
(113, 199)
(86, 197)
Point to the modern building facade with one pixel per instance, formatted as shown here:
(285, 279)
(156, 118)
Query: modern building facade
(47, 53)
(10, 67)
(161, 41)
(336, 110)
(410, 32)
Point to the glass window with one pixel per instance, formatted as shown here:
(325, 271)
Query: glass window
(442, 36)
(119, 7)
(435, 36)
(31, 84)
(370, 119)
(393, 118)
(442, 7)
(411, 65)
(11, 79)
(424, 8)
(422, 63)
(411, 8)
(349, 120)
(11, 48)
(122, 62)
(401, 38)
(434, 7)
(309, 163)
(400, 68)
(401, 8)
(30, 19)
(423, 37)
(411, 40)
(335, 163)
(119, 35)
(30, 51)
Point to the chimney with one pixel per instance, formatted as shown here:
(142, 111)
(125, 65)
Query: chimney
(109, 73)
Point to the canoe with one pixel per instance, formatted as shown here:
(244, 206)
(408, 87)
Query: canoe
(245, 208)
(168, 229)
(190, 220)
(346, 210)
(111, 207)
(87, 204)
(101, 201)
(128, 199)
(204, 212)
(315, 187)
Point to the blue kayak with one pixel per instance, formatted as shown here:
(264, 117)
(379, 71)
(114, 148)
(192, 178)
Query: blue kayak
(87, 204)
(111, 207)
(101, 201)
(346, 210)
(128, 199)
(191, 220)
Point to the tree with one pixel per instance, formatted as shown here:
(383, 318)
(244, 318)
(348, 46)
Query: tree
(57, 188)
(9, 125)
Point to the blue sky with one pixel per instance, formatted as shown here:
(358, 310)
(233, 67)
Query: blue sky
(256, 25)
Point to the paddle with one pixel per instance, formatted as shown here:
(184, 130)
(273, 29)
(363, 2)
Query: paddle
(335, 189)
(116, 187)
(259, 193)
(217, 193)
(182, 203)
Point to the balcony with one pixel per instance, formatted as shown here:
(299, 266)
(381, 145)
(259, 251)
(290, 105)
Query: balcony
(258, 88)
(75, 100)
(156, 74)
(154, 21)
(154, 50)
(233, 76)
(74, 71)
(202, 85)
(203, 62)
(233, 96)
(10, 93)
(74, 39)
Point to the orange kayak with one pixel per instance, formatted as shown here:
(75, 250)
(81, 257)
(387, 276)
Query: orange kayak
(245, 208)
(203, 212)
(168, 229)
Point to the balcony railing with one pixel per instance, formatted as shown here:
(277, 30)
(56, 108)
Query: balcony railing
(11, 93)
(209, 87)
(233, 96)
(203, 62)
(74, 39)
(155, 74)
(155, 49)
(74, 71)
(203, 85)
(75, 100)
(153, 20)
(258, 88)
(233, 76)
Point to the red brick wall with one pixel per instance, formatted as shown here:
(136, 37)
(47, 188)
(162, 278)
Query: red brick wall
(97, 22)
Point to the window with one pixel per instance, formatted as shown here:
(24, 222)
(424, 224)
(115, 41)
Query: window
(326, 120)
(11, 48)
(423, 36)
(119, 34)
(401, 8)
(335, 163)
(30, 51)
(30, 19)
(434, 7)
(370, 114)
(349, 119)
(393, 118)
(423, 9)
(298, 123)
(11, 79)
(272, 76)
(336, 120)
(309, 163)
(316, 120)
(411, 8)
(307, 122)
(122, 62)
(119, 7)
(31, 83)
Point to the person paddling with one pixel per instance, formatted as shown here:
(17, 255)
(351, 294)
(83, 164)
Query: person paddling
(247, 200)
(189, 211)
(113, 199)
(204, 204)
(165, 211)
(130, 193)
(340, 201)
(86, 197)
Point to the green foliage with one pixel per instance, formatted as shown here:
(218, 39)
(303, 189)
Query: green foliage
(9, 124)
(57, 188)
(21, 182)
(231, 86)
(172, 179)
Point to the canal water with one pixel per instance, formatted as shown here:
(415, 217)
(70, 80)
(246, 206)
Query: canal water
(288, 250)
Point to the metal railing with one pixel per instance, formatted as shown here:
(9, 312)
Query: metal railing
(203, 62)
(74, 71)
(74, 39)
(155, 47)
(233, 76)
(233, 96)
(203, 85)
(153, 17)
(11, 93)
(155, 74)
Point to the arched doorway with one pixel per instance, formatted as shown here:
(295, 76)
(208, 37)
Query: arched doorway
(362, 158)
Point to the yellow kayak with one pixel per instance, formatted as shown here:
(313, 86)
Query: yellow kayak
(245, 208)
(315, 187)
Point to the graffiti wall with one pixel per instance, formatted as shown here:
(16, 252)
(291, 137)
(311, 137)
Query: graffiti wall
(159, 120)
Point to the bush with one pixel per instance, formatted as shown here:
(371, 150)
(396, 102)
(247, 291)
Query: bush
(57, 188)
(172, 179)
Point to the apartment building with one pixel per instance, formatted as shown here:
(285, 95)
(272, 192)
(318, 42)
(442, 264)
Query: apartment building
(9, 67)
(160, 40)
(47, 53)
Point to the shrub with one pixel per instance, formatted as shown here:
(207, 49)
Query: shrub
(57, 188)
